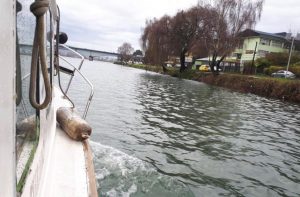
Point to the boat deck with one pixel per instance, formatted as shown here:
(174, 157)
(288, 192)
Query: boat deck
(62, 167)
(67, 168)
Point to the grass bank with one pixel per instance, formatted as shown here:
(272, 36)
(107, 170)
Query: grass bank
(283, 89)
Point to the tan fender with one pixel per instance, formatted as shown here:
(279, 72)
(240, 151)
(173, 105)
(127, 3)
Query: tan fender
(76, 128)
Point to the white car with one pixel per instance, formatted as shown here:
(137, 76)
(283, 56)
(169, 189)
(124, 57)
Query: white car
(283, 74)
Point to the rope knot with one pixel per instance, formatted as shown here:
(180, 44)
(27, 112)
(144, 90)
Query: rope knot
(39, 8)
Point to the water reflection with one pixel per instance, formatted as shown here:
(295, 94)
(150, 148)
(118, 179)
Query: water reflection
(215, 142)
(235, 141)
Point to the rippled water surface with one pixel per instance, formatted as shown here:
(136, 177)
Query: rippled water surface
(154, 135)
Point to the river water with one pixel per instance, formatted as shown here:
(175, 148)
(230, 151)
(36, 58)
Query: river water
(154, 135)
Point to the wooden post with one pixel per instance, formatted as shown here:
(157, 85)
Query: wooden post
(92, 185)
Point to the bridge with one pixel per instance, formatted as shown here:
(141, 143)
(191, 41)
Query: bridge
(97, 54)
(87, 53)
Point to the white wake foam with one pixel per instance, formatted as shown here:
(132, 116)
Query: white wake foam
(115, 159)
(119, 174)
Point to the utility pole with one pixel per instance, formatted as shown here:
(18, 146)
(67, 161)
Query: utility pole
(291, 49)
(254, 53)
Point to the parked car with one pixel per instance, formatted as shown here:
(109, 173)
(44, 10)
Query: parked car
(204, 68)
(220, 69)
(283, 74)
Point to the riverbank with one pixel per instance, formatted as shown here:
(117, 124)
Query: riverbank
(282, 89)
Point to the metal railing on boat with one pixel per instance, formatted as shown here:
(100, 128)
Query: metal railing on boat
(79, 72)
(70, 81)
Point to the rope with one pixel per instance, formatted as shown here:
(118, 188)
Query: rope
(39, 8)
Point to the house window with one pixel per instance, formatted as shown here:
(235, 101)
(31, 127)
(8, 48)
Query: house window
(276, 43)
(237, 56)
(264, 41)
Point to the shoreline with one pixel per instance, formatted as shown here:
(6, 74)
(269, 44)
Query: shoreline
(275, 88)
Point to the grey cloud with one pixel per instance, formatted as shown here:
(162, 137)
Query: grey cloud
(105, 25)
(279, 16)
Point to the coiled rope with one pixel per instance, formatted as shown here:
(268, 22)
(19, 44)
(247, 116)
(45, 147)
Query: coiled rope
(39, 8)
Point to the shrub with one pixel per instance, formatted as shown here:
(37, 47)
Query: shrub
(261, 64)
(295, 70)
(278, 58)
(297, 64)
(273, 69)
(281, 59)
(288, 90)
(248, 68)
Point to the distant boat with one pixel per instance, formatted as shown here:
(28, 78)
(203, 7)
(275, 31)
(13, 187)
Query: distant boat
(91, 58)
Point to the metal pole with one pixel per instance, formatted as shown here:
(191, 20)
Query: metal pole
(291, 49)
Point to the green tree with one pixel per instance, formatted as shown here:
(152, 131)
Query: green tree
(138, 52)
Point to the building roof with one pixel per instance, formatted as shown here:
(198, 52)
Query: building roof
(284, 36)
(252, 33)
(93, 50)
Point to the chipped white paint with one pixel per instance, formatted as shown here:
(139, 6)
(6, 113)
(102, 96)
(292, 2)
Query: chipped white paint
(66, 169)
(67, 172)
(58, 168)
(25, 154)
(7, 98)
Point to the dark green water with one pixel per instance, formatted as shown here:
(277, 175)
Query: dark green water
(160, 136)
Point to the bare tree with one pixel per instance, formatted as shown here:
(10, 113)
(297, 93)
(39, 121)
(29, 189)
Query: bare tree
(212, 27)
(174, 36)
(228, 18)
(155, 40)
(187, 30)
(125, 51)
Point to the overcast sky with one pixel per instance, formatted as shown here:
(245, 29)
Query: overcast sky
(106, 24)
